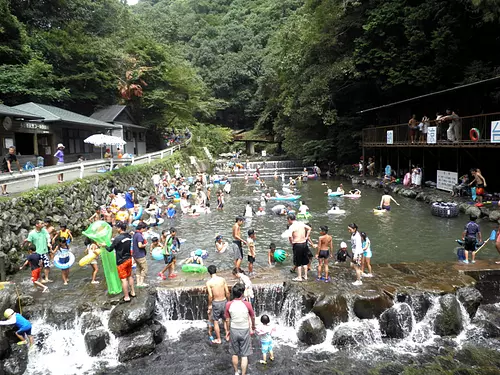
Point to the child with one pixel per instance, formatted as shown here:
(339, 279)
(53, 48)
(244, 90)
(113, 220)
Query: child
(220, 245)
(245, 280)
(220, 200)
(35, 263)
(265, 331)
(342, 253)
(62, 250)
(195, 259)
(96, 216)
(91, 248)
(155, 242)
(171, 211)
(324, 253)
(367, 255)
(65, 233)
(251, 251)
(470, 235)
(22, 324)
(270, 255)
(172, 245)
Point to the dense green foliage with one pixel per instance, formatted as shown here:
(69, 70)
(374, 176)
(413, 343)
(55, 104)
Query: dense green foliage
(300, 70)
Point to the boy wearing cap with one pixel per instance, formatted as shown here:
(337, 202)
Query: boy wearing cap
(22, 324)
(139, 244)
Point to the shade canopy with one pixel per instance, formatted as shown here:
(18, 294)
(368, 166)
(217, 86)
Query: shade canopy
(104, 140)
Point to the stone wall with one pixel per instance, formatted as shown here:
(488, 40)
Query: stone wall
(75, 201)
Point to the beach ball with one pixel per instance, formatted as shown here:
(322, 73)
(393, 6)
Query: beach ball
(279, 255)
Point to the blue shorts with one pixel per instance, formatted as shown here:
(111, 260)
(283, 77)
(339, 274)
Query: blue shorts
(367, 253)
(267, 346)
(23, 331)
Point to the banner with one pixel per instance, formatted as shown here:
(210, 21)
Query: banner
(446, 180)
(390, 137)
(432, 135)
(495, 132)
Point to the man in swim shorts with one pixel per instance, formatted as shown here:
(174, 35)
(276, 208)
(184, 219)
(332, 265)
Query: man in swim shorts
(121, 244)
(299, 235)
(238, 242)
(218, 294)
(480, 183)
(470, 236)
(239, 314)
(385, 202)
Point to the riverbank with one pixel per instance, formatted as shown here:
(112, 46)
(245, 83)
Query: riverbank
(431, 195)
(74, 202)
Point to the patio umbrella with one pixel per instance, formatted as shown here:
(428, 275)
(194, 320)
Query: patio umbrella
(101, 140)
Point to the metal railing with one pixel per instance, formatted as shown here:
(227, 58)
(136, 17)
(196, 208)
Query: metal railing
(84, 168)
(377, 136)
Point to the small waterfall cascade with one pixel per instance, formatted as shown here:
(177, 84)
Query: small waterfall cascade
(61, 350)
(280, 165)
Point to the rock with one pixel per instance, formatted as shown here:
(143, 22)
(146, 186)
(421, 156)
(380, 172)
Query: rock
(397, 322)
(331, 310)
(17, 363)
(473, 210)
(397, 189)
(62, 316)
(491, 313)
(463, 207)
(126, 317)
(421, 196)
(420, 302)
(449, 321)
(96, 341)
(471, 299)
(409, 193)
(347, 336)
(136, 345)
(158, 331)
(25, 300)
(494, 215)
(90, 322)
(311, 330)
(4, 345)
(487, 329)
(369, 306)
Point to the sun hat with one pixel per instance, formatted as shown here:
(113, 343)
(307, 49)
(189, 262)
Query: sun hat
(8, 313)
(198, 253)
(60, 145)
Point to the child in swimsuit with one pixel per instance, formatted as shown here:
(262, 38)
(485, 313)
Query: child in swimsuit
(265, 332)
(324, 253)
(342, 253)
(367, 255)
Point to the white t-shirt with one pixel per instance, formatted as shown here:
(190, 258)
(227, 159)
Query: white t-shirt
(303, 209)
(356, 244)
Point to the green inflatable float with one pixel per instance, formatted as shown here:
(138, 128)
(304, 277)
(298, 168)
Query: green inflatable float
(100, 232)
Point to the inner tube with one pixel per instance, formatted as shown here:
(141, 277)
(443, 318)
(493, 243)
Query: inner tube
(286, 198)
(474, 134)
(138, 215)
(89, 258)
(335, 194)
(445, 209)
(337, 211)
(194, 268)
(307, 215)
(63, 262)
(376, 211)
(157, 253)
(351, 196)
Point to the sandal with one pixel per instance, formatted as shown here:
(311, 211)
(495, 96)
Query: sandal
(297, 279)
(125, 300)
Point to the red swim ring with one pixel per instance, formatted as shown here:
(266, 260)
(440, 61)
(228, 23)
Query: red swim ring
(474, 134)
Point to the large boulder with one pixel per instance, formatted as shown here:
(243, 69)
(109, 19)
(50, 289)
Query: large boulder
(371, 305)
(331, 309)
(491, 313)
(471, 299)
(61, 315)
(487, 329)
(126, 317)
(159, 331)
(96, 341)
(397, 322)
(494, 215)
(348, 336)
(408, 193)
(17, 363)
(449, 320)
(473, 210)
(136, 345)
(4, 345)
(90, 322)
(311, 330)
(419, 301)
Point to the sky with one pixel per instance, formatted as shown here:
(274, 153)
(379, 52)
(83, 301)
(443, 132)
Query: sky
(132, 2)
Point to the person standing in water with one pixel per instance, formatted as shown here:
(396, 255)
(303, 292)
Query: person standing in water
(218, 294)
(367, 256)
(470, 236)
(298, 237)
(251, 251)
(385, 202)
(357, 252)
(240, 318)
(238, 242)
(324, 253)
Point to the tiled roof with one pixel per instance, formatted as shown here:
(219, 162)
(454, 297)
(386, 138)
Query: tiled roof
(14, 112)
(109, 113)
(54, 114)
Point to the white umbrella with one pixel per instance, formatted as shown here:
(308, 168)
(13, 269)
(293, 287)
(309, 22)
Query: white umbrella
(101, 140)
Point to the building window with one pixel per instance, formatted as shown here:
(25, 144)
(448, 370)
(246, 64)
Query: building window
(141, 136)
(24, 143)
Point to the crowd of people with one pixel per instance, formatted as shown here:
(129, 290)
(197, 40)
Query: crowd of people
(448, 124)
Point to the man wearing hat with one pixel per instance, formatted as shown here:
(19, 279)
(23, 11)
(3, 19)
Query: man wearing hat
(139, 253)
(22, 324)
(60, 160)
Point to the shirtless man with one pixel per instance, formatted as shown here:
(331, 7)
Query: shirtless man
(385, 202)
(299, 235)
(238, 242)
(218, 294)
(480, 182)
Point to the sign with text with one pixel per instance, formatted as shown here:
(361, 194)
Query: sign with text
(446, 180)
(390, 137)
(264, 153)
(432, 135)
(495, 132)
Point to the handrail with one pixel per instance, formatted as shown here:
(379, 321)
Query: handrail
(36, 174)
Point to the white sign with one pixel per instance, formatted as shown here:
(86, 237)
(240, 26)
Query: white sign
(264, 153)
(30, 125)
(432, 134)
(446, 180)
(495, 132)
(390, 137)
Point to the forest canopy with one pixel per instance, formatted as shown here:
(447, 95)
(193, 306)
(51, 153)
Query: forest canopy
(300, 70)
